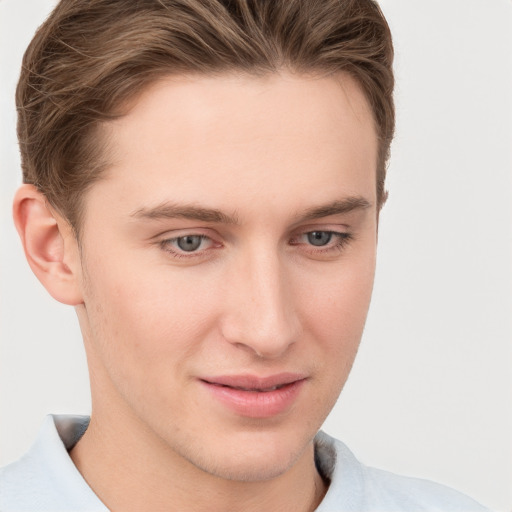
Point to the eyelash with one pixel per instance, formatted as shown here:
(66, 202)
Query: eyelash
(338, 242)
(166, 245)
(341, 240)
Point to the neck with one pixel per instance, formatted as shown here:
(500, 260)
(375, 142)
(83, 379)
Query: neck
(130, 468)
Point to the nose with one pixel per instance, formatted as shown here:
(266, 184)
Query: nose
(260, 314)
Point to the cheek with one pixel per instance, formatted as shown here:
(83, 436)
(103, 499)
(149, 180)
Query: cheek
(334, 313)
(144, 333)
(141, 319)
(335, 305)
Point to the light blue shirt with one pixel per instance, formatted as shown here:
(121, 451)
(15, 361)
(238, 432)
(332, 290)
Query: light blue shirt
(46, 480)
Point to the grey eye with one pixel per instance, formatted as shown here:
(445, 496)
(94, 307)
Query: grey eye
(189, 243)
(319, 238)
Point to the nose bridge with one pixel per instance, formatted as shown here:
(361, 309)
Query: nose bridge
(262, 315)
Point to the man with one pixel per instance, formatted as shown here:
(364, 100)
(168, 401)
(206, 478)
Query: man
(202, 183)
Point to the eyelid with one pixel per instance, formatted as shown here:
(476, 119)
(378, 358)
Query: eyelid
(336, 245)
(335, 234)
(335, 229)
(166, 242)
(202, 238)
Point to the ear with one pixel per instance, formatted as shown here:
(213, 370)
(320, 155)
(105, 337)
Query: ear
(50, 245)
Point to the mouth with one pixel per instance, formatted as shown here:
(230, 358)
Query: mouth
(254, 383)
(256, 397)
(253, 390)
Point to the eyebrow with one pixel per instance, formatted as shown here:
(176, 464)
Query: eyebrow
(183, 211)
(338, 207)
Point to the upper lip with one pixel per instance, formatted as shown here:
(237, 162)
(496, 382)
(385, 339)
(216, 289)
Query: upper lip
(254, 382)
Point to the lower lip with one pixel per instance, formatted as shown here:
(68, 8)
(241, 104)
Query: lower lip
(257, 404)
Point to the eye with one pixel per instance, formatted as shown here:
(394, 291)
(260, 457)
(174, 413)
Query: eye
(322, 243)
(189, 243)
(319, 238)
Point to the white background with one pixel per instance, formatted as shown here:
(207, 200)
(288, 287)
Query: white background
(431, 391)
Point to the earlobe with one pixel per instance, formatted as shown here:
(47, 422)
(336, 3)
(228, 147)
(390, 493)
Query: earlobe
(50, 246)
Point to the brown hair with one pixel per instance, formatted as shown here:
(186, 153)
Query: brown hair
(91, 56)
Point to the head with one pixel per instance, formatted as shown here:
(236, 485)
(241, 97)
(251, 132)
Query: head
(204, 181)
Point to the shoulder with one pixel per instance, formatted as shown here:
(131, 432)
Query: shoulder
(405, 493)
(45, 478)
(20, 485)
(356, 487)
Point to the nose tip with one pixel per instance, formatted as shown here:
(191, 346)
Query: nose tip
(262, 317)
(270, 339)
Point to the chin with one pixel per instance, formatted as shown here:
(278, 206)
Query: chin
(244, 467)
(254, 457)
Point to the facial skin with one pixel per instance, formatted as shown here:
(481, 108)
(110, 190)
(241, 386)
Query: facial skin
(276, 158)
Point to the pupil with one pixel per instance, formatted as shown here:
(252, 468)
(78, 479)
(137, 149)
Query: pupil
(319, 238)
(189, 243)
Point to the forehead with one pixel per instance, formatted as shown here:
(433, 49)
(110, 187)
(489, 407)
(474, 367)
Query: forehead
(239, 139)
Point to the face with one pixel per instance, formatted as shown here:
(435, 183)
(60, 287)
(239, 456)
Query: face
(228, 259)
